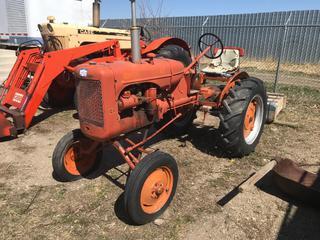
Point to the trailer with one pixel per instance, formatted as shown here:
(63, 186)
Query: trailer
(19, 19)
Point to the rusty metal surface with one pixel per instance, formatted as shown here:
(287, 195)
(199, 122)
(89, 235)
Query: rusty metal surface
(297, 182)
(90, 99)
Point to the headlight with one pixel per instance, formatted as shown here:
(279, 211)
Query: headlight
(50, 28)
(40, 28)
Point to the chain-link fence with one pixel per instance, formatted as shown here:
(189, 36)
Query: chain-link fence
(281, 48)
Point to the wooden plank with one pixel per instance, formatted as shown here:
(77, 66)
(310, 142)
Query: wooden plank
(250, 183)
(287, 124)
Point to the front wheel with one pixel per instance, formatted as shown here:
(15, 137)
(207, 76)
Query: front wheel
(75, 156)
(151, 187)
(242, 117)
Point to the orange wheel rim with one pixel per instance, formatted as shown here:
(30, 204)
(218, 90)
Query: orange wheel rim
(249, 119)
(77, 162)
(156, 190)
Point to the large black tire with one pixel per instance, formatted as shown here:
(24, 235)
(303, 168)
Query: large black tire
(175, 52)
(45, 103)
(181, 125)
(75, 100)
(237, 139)
(57, 96)
(67, 170)
(139, 205)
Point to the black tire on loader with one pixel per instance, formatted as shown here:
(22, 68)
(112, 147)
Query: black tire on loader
(45, 103)
(242, 117)
(181, 125)
(151, 187)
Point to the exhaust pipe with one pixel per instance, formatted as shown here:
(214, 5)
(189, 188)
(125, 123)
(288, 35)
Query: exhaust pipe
(135, 35)
(96, 13)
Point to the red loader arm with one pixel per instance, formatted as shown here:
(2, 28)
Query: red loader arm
(30, 79)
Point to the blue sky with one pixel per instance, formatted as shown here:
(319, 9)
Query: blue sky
(121, 8)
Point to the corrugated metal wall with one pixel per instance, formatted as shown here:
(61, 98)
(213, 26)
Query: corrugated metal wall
(17, 22)
(260, 34)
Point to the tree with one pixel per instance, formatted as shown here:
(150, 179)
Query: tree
(151, 12)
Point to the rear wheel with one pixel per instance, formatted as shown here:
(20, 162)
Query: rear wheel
(181, 125)
(175, 52)
(242, 117)
(75, 156)
(151, 187)
(57, 96)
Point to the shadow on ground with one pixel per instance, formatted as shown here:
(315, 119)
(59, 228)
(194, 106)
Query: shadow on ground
(301, 221)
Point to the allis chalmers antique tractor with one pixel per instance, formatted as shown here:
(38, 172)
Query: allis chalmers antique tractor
(156, 85)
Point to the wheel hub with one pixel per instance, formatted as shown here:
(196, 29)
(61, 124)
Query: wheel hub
(156, 190)
(77, 162)
(250, 119)
(253, 120)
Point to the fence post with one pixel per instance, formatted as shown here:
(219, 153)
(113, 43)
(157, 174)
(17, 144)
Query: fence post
(203, 24)
(282, 48)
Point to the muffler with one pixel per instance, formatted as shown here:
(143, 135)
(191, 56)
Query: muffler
(96, 14)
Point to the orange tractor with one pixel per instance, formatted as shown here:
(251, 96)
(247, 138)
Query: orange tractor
(155, 85)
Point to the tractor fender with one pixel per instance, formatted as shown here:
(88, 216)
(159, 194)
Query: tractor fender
(230, 84)
(160, 42)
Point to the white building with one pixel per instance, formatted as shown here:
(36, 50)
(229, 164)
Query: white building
(19, 19)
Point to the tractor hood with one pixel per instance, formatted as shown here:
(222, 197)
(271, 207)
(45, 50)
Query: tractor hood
(165, 73)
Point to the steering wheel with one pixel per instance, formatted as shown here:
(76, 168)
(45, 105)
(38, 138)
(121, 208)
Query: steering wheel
(212, 41)
(145, 34)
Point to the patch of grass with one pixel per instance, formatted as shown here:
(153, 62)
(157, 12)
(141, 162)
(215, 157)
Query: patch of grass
(301, 94)
(268, 66)
(60, 193)
(7, 170)
(187, 219)
(208, 209)
(253, 159)
(297, 94)
(217, 182)
(24, 148)
(101, 237)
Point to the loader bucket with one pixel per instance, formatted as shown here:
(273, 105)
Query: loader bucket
(5, 126)
(297, 182)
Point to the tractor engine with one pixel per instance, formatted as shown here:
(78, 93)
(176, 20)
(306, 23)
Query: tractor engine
(120, 97)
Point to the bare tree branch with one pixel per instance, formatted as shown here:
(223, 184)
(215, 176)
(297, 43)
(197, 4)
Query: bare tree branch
(151, 12)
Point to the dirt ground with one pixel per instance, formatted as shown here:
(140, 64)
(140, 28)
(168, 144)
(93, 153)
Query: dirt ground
(33, 205)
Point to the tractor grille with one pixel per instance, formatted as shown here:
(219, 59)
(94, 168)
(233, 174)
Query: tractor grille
(90, 102)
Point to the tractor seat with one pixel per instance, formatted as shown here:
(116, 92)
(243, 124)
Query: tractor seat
(227, 63)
